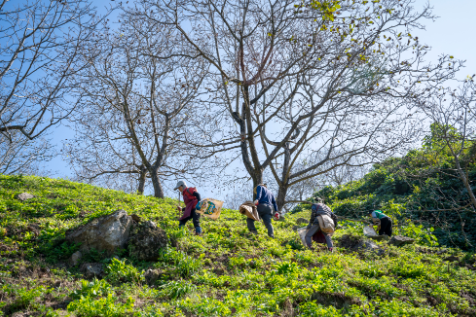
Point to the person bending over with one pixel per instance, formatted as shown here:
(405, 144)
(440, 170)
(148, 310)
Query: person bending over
(266, 205)
(191, 199)
(383, 222)
(319, 209)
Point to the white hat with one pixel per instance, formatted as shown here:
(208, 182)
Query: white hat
(180, 183)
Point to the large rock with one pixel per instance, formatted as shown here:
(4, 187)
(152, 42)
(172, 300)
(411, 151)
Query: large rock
(91, 270)
(399, 241)
(380, 237)
(302, 221)
(367, 245)
(152, 276)
(146, 240)
(75, 258)
(106, 233)
(24, 196)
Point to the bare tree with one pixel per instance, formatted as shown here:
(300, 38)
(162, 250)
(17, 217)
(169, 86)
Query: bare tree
(291, 69)
(38, 58)
(453, 113)
(136, 98)
(330, 172)
(22, 156)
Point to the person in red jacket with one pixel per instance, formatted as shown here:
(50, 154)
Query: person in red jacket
(191, 199)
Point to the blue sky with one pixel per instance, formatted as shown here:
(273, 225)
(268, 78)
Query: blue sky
(451, 34)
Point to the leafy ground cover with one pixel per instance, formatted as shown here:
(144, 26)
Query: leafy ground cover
(226, 272)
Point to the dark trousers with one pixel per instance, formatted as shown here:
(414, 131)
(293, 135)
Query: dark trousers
(385, 226)
(313, 230)
(265, 213)
(195, 216)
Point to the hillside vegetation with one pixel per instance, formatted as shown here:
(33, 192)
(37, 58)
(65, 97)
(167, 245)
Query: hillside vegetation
(421, 191)
(225, 272)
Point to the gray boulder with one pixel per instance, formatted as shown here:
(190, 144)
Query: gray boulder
(91, 270)
(106, 233)
(146, 240)
(302, 221)
(75, 258)
(24, 196)
(152, 276)
(367, 245)
(399, 241)
(380, 238)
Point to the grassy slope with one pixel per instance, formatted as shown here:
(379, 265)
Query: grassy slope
(226, 272)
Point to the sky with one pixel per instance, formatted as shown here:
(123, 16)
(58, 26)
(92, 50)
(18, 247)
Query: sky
(450, 34)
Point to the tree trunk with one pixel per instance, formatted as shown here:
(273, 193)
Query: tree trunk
(142, 178)
(281, 200)
(257, 177)
(158, 191)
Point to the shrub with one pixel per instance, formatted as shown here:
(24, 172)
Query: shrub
(185, 265)
(176, 289)
(70, 212)
(371, 270)
(25, 297)
(408, 269)
(95, 288)
(120, 272)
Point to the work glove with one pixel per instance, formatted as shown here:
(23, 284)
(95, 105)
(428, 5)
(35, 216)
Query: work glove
(198, 206)
(179, 208)
(256, 202)
(276, 215)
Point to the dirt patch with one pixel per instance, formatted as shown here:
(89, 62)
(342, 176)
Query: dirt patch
(338, 300)
(350, 241)
(469, 297)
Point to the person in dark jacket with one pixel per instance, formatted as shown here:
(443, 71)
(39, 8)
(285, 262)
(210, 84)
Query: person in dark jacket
(313, 227)
(383, 222)
(191, 199)
(266, 205)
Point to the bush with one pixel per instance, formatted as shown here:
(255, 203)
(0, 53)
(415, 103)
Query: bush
(120, 272)
(185, 265)
(95, 288)
(176, 289)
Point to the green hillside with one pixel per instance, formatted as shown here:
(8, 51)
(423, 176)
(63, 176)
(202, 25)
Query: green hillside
(422, 187)
(225, 272)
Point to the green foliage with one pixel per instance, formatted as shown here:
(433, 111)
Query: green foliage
(176, 289)
(95, 288)
(24, 297)
(185, 265)
(97, 298)
(311, 309)
(70, 212)
(106, 306)
(119, 272)
(327, 8)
